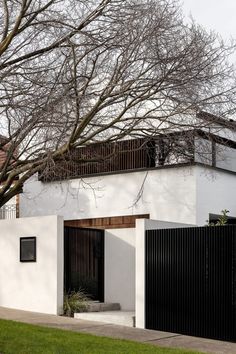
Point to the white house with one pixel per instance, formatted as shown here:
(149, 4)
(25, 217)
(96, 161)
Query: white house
(182, 178)
(185, 177)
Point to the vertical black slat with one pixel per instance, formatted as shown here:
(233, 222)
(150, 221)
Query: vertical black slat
(167, 279)
(233, 235)
(146, 280)
(95, 262)
(66, 260)
(84, 261)
(233, 280)
(190, 281)
(147, 284)
(202, 264)
(87, 254)
(230, 250)
(75, 264)
(156, 274)
(101, 280)
(162, 287)
(159, 274)
(194, 291)
(153, 277)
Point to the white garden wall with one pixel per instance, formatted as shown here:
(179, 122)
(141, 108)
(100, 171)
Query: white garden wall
(32, 286)
(120, 267)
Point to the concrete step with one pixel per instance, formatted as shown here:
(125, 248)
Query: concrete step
(122, 318)
(102, 306)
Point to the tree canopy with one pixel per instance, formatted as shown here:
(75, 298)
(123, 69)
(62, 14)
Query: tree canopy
(75, 72)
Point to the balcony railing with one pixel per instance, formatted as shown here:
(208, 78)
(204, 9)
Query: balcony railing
(178, 148)
(9, 211)
(127, 155)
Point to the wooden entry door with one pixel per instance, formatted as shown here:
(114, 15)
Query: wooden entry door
(84, 261)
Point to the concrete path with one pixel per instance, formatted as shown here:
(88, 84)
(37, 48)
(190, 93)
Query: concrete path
(162, 339)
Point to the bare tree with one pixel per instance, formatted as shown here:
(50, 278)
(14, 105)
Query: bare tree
(76, 72)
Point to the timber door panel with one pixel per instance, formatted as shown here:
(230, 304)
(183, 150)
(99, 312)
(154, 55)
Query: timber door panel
(84, 261)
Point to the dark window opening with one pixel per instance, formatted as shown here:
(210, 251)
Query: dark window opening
(27, 249)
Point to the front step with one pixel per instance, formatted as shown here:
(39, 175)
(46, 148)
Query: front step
(102, 306)
(122, 318)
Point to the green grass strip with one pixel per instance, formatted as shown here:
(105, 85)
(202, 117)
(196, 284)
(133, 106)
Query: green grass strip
(21, 338)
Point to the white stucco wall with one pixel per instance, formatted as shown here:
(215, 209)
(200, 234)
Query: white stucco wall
(219, 130)
(181, 194)
(216, 190)
(168, 194)
(226, 157)
(120, 267)
(203, 151)
(32, 286)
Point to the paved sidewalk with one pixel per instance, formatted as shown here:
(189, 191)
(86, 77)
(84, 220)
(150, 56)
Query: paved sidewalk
(162, 339)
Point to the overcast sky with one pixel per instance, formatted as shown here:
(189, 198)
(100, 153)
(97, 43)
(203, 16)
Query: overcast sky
(218, 15)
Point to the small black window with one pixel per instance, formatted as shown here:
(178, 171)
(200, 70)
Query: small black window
(27, 249)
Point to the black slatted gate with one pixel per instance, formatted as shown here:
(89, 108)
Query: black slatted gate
(84, 261)
(191, 281)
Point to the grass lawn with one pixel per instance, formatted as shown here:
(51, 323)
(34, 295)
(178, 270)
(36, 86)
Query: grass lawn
(20, 338)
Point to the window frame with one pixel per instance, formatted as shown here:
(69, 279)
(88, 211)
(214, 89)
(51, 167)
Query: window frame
(33, 238)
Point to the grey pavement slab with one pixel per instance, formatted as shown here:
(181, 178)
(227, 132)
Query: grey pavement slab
(201, 344)
(162, 339)
(130, 333)
(45, 320)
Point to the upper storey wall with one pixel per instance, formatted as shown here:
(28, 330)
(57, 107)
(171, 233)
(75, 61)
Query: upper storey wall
(165, 194)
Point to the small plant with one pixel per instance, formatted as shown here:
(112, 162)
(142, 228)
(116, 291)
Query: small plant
(222, 220)
(75, 301)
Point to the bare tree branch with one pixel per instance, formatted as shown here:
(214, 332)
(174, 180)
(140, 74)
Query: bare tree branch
(76, 73)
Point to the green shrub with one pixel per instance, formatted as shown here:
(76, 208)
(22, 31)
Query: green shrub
(222, 220)
(75, 301)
